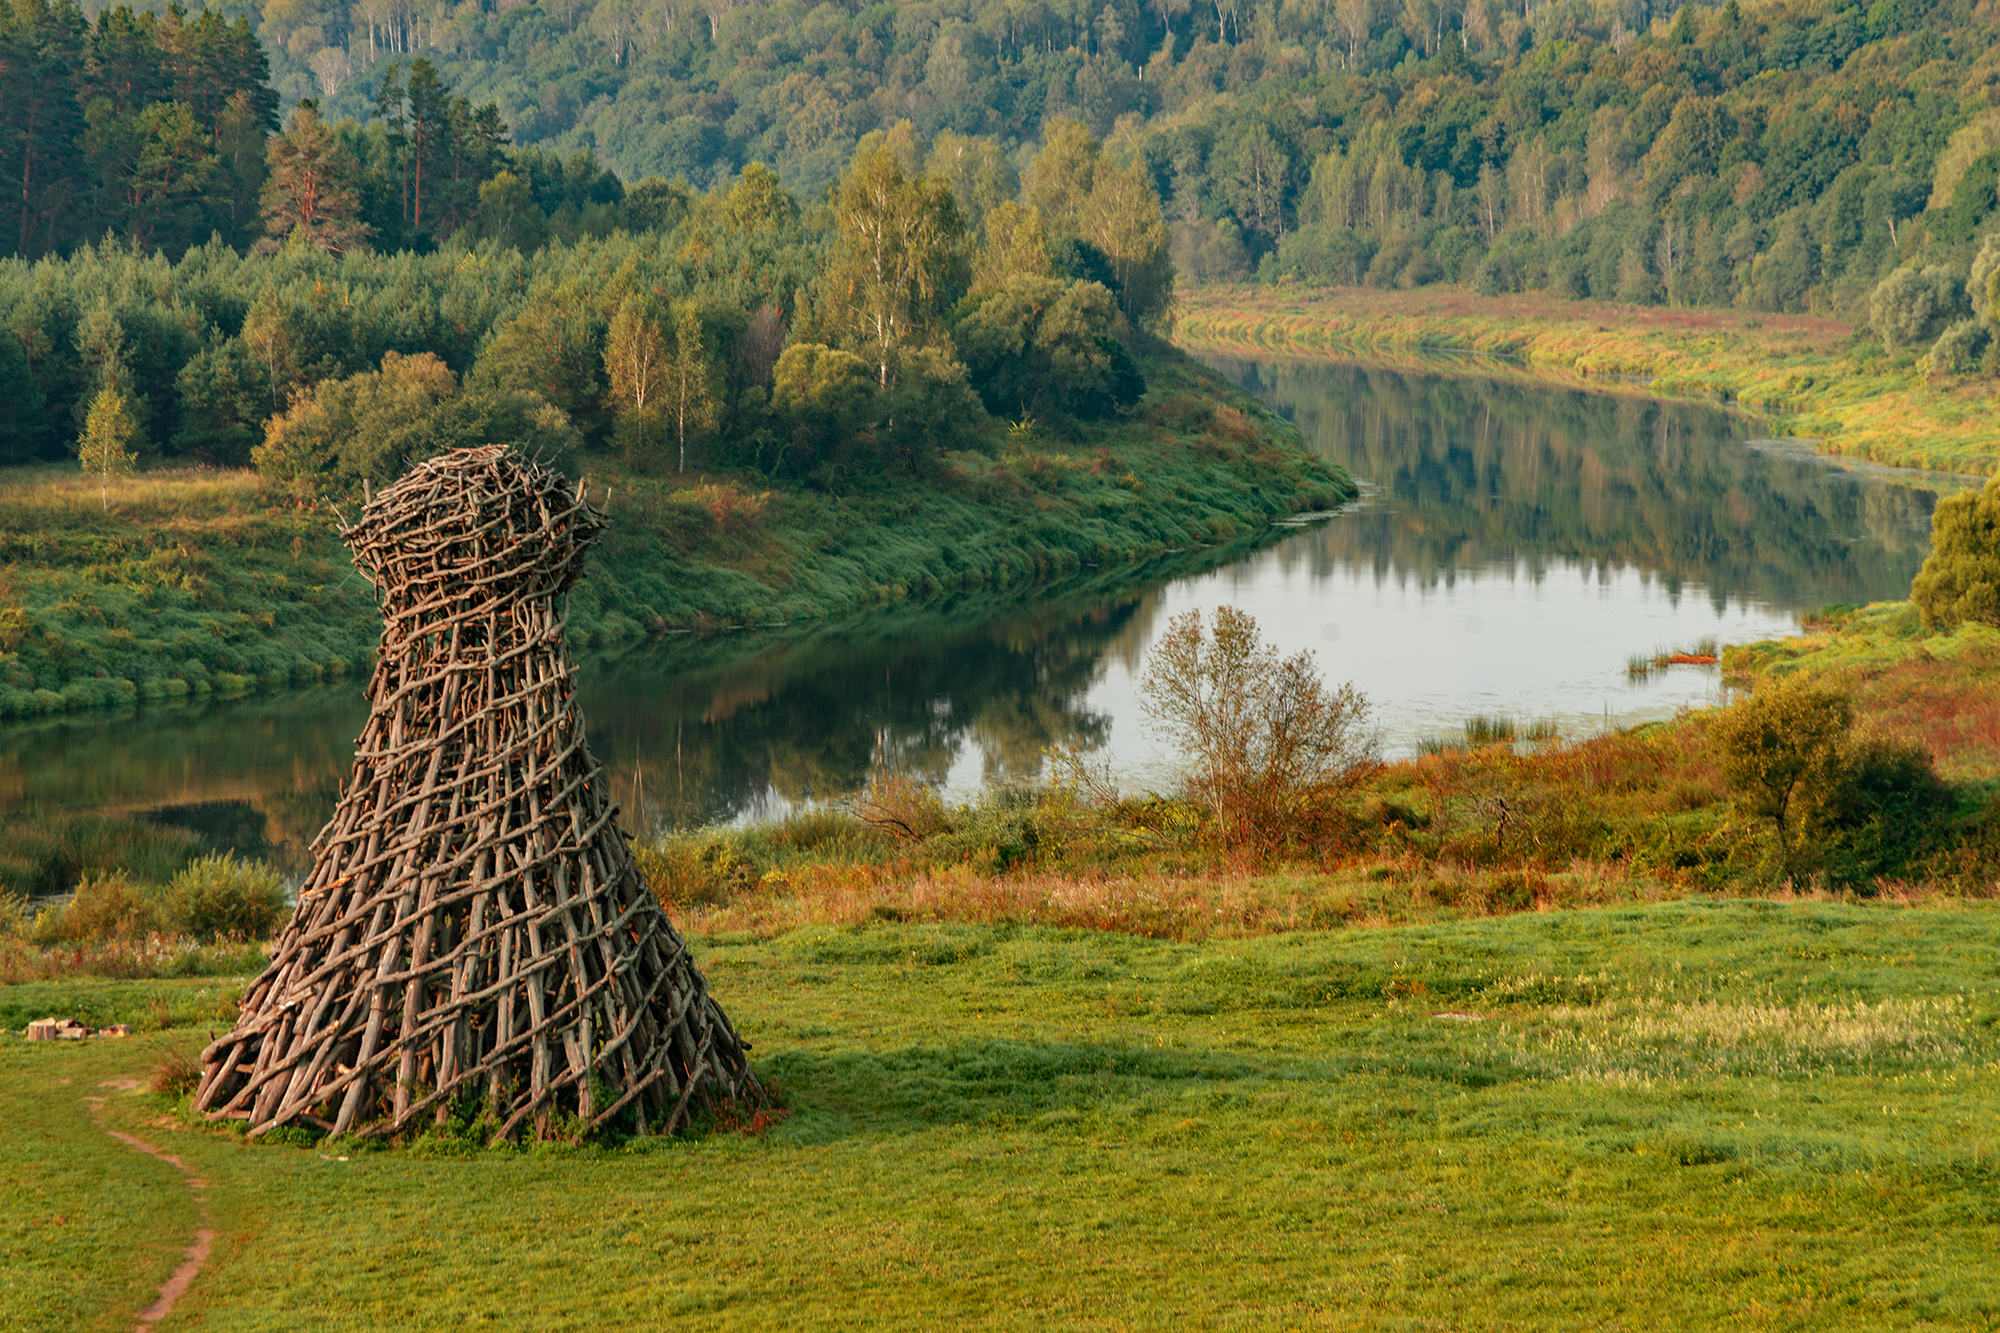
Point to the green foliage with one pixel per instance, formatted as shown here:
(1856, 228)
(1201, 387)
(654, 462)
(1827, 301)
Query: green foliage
(1912, 306)
(820, 399)
(213, 898)
(149, 126)
(1782, 749)
(1846, 807)
(220, 897)
(899, 262)
(106, 431)
(1754, 155)
(105, 908)
(1959, 348)
(311, 191)
(1960, 580)
(1040, 347)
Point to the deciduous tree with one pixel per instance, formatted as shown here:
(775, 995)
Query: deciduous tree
(1960, 580)
(101, 448)
(1258, 732)
(900, 259)
(690, 379)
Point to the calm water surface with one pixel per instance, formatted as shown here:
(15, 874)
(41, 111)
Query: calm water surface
(1514, 547)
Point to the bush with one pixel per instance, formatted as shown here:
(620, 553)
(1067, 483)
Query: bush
(106, 907)
(1781, 750)
(1846, 807)
(690, 869)
(1960, 580)
(1911, 306)
(902, 807)
(1883, 812)
(220, 897)
(1958, 348)
(1267, 740)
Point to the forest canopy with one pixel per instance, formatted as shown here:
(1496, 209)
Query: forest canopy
(1781, 155)
(864, 334)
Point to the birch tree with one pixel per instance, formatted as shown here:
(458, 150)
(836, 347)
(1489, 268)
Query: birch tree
(101, 449)
(900, 261)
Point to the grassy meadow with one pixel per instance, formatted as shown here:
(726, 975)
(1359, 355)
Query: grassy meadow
(1043, 1065)
(1685, 1114)
(1810, 376)
(178, 584)
(1523, 1032)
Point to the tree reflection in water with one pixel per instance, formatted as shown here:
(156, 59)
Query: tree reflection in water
(1475, 473)
(811, 721)
(1471, 476)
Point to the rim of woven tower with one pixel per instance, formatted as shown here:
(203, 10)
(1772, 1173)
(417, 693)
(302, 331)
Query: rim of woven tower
(443, 517)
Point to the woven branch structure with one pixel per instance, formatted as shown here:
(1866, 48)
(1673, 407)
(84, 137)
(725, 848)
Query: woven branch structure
(474, 930)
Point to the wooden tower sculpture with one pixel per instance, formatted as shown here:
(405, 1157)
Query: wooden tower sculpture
(474, 930)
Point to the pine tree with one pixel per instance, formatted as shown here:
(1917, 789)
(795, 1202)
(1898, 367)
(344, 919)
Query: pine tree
(106, 432)
(311, 189)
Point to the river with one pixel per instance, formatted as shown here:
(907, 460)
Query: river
(1514, 547)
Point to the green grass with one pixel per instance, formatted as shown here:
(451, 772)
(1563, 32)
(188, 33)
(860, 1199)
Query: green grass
(1811, 377)
(191, 584)
(1683, 1115)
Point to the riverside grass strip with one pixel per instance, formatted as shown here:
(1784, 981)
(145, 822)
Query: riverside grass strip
(1805, 374)
(474, 929)
(1680, 1115)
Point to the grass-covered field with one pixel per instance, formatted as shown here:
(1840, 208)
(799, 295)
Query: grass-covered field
(1812, 376)
(1690, 1114)
(177, 584)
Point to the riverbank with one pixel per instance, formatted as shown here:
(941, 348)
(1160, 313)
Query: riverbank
(185, 584)
(1810, 377)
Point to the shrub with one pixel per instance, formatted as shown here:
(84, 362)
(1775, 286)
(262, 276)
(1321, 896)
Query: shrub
(1850, 808)
(902, 807)
(1912, 306)
(221, 897)
(1958, 348)
(1882, 813)
(106, 907)
(1781, 749)
(690, 869)
(1263, 735)
(1960, 580)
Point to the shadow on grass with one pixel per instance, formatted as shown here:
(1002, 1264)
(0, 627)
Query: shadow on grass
(1004, 1084)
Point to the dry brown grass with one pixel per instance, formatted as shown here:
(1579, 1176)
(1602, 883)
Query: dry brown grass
(1166, 904)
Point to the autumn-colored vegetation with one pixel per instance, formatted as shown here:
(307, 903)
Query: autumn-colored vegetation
(1805, 375)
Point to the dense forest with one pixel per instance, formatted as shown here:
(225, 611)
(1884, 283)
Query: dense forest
(1059, 165)
(1782, 155)
(408, 291)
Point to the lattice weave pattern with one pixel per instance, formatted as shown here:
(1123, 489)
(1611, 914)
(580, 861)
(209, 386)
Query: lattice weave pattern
(474, 929)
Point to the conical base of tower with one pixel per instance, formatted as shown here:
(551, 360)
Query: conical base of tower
(474, 935)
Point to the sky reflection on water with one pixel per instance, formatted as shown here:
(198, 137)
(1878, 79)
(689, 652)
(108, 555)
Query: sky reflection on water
(1515, 547)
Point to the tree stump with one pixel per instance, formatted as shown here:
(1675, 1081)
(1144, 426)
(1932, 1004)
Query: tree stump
(474, 932)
